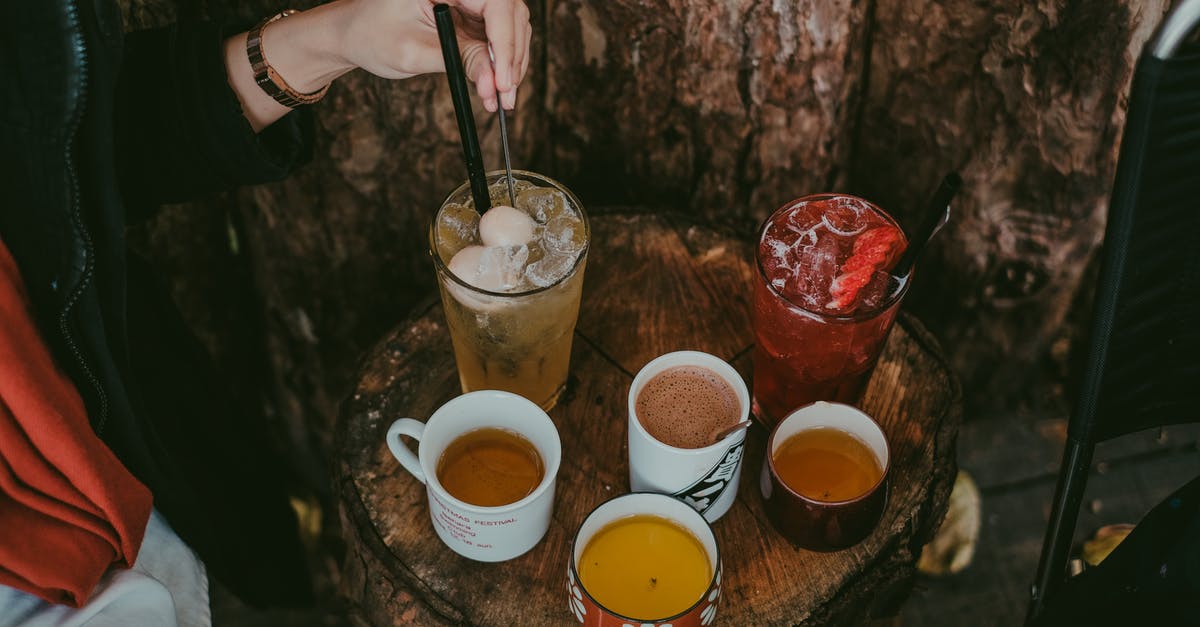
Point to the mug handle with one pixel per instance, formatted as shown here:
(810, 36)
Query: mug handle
(413, 429)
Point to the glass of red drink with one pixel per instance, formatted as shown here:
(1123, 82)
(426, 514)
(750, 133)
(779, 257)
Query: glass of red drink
(824, 301)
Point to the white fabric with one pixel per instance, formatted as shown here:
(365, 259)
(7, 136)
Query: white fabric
(167, 587)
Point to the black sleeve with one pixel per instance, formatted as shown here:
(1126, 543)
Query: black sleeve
(180, 131)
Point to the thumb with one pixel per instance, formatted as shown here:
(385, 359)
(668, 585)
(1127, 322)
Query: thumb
(478, 67)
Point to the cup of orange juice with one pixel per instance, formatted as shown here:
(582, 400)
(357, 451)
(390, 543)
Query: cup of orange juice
(644, 558)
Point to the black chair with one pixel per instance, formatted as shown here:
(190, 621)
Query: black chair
(1143, 361)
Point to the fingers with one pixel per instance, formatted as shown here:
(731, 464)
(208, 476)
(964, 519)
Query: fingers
(469, 24)
(478, 67)
(498, 22)
(524, 31)
(524, 65)
(507, 30)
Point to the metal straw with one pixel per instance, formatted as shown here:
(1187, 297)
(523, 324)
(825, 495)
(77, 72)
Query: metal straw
(462, 107)
(512, 194)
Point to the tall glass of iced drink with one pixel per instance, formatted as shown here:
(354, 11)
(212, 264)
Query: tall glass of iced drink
(511, 282)
(824, 301)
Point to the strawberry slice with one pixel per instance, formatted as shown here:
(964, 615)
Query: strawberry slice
(874, 250)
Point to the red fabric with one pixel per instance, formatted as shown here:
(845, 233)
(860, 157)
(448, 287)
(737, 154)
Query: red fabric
(68, 508)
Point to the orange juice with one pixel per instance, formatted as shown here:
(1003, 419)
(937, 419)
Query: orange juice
(645, 567)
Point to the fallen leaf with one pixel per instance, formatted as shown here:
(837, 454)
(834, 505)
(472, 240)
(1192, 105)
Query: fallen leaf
(1103, 542)
(953, 546)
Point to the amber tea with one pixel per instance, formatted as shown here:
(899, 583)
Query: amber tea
(490, 467)
(645, 567)
(827, 464)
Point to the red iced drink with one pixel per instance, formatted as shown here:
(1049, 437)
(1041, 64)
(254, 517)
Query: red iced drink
(824, 301)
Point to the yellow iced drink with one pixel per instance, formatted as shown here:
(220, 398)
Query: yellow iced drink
(511, 293)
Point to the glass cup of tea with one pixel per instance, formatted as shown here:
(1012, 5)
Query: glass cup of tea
(678, 404)
(511, 283)
(824, 479)
(824, 301)
(488, 460)
(644, 558)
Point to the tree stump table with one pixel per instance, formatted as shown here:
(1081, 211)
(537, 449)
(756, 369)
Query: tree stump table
(654, 284)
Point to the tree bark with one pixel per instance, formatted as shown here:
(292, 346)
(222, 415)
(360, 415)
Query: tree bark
(1027, 100)
(726, 109)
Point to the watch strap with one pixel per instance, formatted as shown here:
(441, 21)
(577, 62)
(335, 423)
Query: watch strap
(267, 78)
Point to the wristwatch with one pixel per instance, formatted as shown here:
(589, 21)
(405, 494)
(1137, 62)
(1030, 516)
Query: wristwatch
(267, 78)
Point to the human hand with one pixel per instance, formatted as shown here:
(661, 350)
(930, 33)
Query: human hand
(398, 39)
(389, 38)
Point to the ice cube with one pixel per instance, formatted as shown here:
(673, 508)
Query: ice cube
(549, 269)
(781, 252)
(845, 216)
(803, 220)
(505, 226)
(457, 228)
(803, 230)
(877, 290)
(565, 234)
(491, 268)
(498, 195)
(842, 228)
(542, 203)
(816, 265)
(536, 251)
(777, 261)
(509, 262)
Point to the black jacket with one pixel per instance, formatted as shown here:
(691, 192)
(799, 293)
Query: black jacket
(96, 129)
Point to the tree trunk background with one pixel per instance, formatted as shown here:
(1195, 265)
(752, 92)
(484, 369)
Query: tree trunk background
(724, 108)
(1028, 101)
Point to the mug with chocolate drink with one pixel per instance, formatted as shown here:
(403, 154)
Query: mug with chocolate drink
(679, 406)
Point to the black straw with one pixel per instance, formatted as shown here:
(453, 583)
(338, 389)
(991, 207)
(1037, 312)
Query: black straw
(462, 107)
(936, 214)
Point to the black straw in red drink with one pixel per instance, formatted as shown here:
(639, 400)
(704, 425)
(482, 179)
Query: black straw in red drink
(936, 214)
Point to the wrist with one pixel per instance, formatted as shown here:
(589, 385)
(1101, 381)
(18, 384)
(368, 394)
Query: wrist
(305, 49)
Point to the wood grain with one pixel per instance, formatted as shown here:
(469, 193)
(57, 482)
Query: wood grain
(690, 286)
(398, 572)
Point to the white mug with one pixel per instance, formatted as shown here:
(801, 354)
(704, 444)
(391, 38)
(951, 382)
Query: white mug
(705, 478)
(486, 534)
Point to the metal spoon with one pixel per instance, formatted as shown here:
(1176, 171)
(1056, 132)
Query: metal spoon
(512, 194)
(730, 430)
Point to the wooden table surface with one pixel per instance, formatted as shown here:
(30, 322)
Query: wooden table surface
(654, 284)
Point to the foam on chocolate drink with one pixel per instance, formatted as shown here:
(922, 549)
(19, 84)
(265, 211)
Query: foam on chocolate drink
(685, 405)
